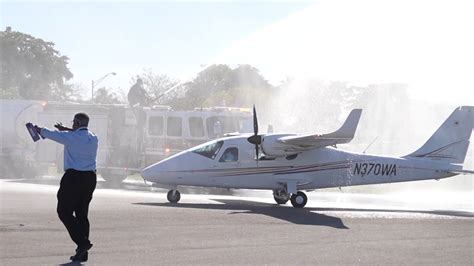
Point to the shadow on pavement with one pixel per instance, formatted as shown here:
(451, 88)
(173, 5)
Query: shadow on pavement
(71, 263)
(304, 216)
(433, 212)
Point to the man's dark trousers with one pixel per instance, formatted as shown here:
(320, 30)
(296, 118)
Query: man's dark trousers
(74, 196)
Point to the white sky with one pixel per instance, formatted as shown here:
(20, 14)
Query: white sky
(428, 45)
(173, 38)
(425, 44)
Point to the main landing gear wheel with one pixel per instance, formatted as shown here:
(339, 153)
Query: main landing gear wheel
(299, 199)
(173, 196)
(281, 200)
(281, 197)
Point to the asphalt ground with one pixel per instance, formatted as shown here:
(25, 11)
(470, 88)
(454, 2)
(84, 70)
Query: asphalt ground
(139, 227)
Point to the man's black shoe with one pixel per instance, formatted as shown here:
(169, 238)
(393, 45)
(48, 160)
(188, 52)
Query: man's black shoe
(81, 252)
(84, 258)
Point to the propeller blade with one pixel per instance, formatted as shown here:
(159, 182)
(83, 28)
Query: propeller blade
(255, 122)
(255, 139)
(256, 152)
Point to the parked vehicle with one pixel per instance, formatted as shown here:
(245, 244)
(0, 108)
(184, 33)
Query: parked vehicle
(131, 138)
(17, 151)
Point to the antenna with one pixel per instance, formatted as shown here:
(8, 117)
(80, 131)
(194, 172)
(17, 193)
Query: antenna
(370, 145)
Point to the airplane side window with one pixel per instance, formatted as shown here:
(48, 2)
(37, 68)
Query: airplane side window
(155, 125)
(230, 155)
(210, 150)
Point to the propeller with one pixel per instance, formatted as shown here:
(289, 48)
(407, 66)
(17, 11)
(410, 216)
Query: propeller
(255, 138)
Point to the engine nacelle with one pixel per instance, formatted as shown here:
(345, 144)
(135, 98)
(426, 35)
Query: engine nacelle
(271, 147)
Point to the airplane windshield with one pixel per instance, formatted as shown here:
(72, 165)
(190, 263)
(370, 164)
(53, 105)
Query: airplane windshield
(209, 150)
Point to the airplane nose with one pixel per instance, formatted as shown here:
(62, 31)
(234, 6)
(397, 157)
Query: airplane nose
(147, 173)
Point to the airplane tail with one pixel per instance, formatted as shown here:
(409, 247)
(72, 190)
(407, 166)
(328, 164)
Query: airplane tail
(451, 141)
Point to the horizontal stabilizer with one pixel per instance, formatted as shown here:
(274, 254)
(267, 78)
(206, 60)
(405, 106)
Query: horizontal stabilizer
(463, 172)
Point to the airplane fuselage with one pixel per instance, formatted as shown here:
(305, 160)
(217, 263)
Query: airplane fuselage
(289, 164)
(320, 168)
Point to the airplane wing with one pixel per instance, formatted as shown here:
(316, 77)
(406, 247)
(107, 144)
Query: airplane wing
(343, 135)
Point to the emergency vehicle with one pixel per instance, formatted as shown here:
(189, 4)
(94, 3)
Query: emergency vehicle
(131, 138)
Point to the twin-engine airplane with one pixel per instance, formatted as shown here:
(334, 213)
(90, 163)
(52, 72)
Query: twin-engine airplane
(289, 164)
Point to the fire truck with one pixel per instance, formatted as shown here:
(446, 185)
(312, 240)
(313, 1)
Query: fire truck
(131, 138)
(17, 151)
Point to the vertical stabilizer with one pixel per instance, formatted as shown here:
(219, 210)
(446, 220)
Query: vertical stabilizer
(450, 142)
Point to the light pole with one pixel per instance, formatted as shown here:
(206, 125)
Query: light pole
(96, 82)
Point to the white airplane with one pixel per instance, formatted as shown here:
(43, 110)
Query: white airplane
(289, 164)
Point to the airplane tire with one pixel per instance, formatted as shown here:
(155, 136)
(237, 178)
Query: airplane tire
(280, 200)
(299, 199)
(173, 198)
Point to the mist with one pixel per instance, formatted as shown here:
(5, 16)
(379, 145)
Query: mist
(426, 45)
(408, 64)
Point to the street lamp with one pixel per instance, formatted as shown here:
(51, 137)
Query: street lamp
(96, 82)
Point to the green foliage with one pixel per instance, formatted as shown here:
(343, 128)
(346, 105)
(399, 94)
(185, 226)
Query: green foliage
(156, 85)
(220, 85)
(103, 96)
(30, 67)
(67, 92)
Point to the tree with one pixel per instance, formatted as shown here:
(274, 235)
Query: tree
(30, 67)
(103, 96)
(221, 85)
(156, 85)
(68, 92)
(249, 87)
(248, 76)
(202, 91)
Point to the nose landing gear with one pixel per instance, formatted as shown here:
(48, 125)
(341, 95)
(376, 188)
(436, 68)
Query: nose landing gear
(173, 196)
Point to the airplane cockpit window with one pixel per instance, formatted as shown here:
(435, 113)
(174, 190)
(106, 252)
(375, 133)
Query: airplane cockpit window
(210, 150)
(230, 155)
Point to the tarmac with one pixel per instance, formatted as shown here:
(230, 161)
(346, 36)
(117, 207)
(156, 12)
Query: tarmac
(139, 227)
